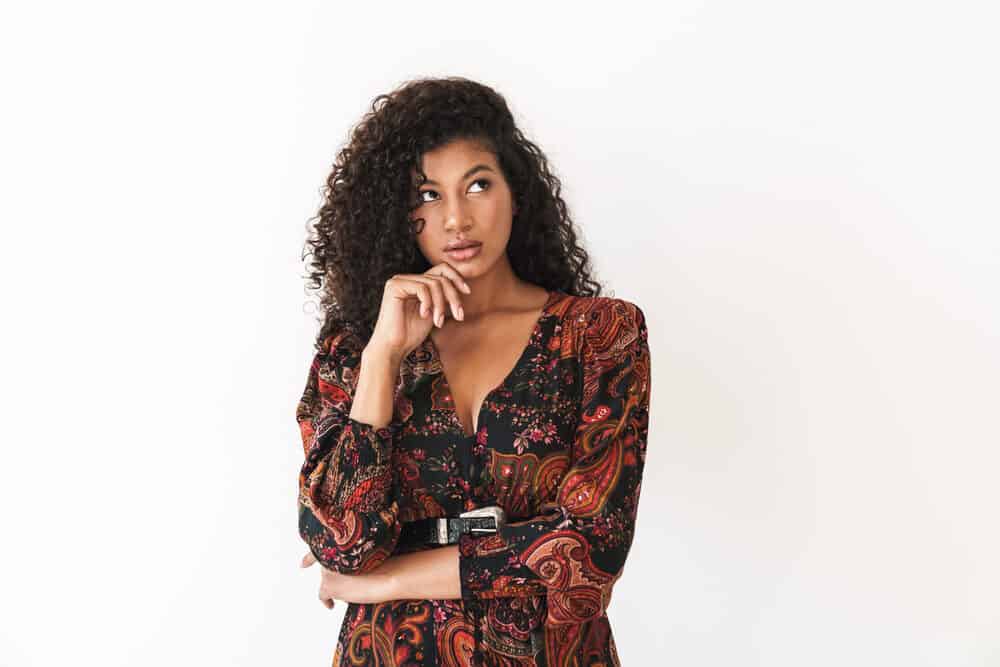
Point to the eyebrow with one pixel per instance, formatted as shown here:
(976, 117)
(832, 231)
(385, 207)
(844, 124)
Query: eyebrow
(478, 167)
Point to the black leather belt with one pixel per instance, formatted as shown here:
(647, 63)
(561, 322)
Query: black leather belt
(447, 530)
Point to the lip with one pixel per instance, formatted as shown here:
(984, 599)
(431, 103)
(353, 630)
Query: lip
(458, 245)
(463, 254)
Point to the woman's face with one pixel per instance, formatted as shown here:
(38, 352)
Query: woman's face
(466, 198)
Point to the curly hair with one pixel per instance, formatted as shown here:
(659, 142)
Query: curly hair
(364, 232)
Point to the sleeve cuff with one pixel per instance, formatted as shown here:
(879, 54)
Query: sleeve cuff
(379, 440)
(489, 567)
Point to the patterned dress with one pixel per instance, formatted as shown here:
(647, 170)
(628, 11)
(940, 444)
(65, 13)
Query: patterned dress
(560, 446)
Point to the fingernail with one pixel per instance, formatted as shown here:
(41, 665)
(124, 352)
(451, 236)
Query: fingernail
(461, 313)
(466, 286)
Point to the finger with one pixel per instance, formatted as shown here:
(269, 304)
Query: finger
(437, 293)
(452, 296)
(437, 298)
(448, 271)
(423, 292)
(407, 285)
(451, 282)
(308, 560)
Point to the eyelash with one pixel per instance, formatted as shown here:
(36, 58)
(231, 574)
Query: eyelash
(478, 180)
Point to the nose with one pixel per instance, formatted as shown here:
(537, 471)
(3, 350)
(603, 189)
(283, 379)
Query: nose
(455, 215)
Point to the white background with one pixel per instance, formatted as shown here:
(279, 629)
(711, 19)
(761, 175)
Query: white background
(801, 196)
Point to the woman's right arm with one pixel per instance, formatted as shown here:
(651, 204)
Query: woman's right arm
(347, 504)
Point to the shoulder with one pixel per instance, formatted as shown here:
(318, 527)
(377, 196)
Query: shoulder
(339, 358)
(341, 341)
(331, 380)
(595, 315)
(604, 327)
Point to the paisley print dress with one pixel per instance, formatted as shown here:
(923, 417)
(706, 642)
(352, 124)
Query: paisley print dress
(560, 446)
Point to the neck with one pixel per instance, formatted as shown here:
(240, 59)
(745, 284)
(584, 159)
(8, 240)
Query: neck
(498, 290)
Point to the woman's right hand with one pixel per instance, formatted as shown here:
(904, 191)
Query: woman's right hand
(413, 303)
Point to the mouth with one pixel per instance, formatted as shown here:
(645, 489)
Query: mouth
(464, 251)
(459, 245)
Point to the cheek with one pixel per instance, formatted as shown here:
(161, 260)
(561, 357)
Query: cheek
(501, 231)
(429, 243)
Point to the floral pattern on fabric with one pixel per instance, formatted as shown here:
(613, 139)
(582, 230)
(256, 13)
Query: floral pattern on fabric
(560, 446)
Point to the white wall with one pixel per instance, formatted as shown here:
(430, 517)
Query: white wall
(802, 197)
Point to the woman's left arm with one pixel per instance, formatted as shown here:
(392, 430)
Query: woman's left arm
(575, 548)
(422, 575)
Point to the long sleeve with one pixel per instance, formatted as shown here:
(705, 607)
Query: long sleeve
(577, 545)
(347, 503)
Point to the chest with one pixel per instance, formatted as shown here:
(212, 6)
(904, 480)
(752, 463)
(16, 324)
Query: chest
(504, 436)
(476, 362)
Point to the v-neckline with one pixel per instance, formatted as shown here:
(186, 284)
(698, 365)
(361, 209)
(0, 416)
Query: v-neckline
(553, 296)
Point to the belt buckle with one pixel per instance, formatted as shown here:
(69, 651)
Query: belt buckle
(442, 530)
(494, 511)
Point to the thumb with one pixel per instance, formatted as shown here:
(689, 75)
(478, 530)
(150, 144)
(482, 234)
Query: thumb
(307, 560)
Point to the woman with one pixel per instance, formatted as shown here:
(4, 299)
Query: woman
(475, 417)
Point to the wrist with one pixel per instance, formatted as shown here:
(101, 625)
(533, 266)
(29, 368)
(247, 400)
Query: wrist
(380, 355)
(393, 584)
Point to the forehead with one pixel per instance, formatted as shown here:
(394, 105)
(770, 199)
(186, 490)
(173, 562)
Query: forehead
(452, 159)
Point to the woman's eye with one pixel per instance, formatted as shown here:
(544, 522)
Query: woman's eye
(485, 182)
